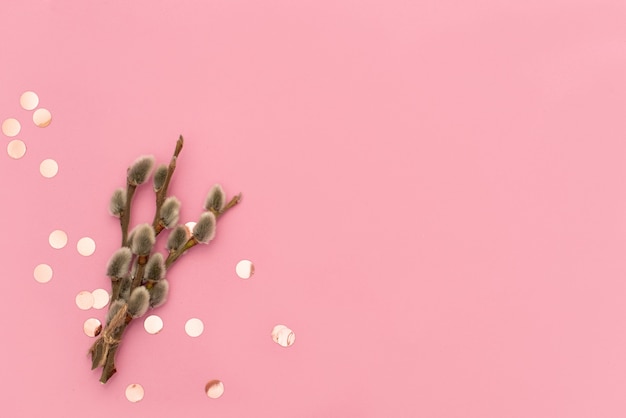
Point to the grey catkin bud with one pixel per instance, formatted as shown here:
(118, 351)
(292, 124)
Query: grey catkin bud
(158, 293)
(216, 199)
(178, 237)
(118, 202)
(204, 231)
(160, 174)
(170, 211)
(125, 286)
(143, 239)
(118, 263)
(155, 268)
(114, 309)
(139, 302)
(140, 170)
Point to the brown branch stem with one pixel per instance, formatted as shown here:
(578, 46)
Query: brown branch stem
(125, 215)
(161, 194)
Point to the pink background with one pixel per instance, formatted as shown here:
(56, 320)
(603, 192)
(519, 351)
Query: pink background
(434, 199)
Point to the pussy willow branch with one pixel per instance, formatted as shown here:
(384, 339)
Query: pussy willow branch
(103, 351)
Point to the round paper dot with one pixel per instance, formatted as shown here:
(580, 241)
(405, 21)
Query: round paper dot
(42, 117)
(153, 324)
(16, 149)
(48, 168)
(283, 336)
(245, 269)
(92, 327)
(190, 225)
(84, 300)
(86, 246)
(134, 392)
(194, 327)
(214, 389)
(57, 239)
(43, 273)
(11, 127)
(100, 298)
(29, 100)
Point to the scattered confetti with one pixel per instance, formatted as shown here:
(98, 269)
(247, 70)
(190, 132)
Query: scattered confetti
(43, 273)
(283, 336)
(190, 225)
(57, 239)
(16, 149)
(194, 327)
(29, 100)
(92, 327)
(49, 168)
(100, 298)
(134, 392)
(245, 269)
(11, 127)
(84, 300)
(153, 324)
(86, 246)
(42, 117)
(214, 389)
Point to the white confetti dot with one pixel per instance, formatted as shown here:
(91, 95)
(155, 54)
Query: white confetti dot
(43, 273)
(16, 149)
(29, 100)
(49, 168)
(42, 117)
(57, 239)
(11, 127)
(214, 389)
(245, 269)
(153, 324)
(92, 327)
(100, 298)
(134, 392)
(283, 336)
(86, 246)
(194, 327)
(84, 300)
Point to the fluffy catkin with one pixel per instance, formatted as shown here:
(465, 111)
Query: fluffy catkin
(158, 293)
(117, 202)
(155, 268)
(204, 231)
(143, 239)
(118, 263)
(216, 199)
(139, 302)
(125, 286)
(140, 170)
(178, 237)
(170, 211)
(160, 174)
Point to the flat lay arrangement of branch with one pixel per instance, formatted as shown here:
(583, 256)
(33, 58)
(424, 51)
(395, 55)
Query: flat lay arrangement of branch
(136, 270)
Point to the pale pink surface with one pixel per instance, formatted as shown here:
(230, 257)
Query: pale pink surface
(434, 202)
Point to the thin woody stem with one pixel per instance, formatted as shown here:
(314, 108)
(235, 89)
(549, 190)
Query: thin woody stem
(125, 215)
(161, 194)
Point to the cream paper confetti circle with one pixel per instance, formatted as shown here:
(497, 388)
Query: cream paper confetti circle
(194, 327)
(42, 117)
(11, 127)
(16, 149)
(49, 168)
(29, 100)
(57, 239)
(43, 273)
